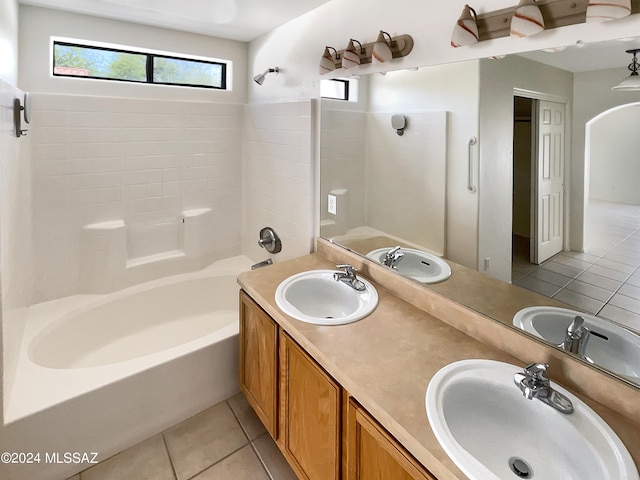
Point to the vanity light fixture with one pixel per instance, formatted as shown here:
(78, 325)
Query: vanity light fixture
(527, 19)
(327, 61)
(632, 82)
(384, 49)
(465, 31)
(351, 57)
(599, 11)
(381, 49)
(259, 79)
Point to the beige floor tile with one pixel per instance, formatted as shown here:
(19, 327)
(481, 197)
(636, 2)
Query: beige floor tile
(588, 290)
(204, 439)
(599, 281)
(565, 270)
(148, 460)
(628, 303)
(621, 316)
(551, 277)
(248, 419)
(608, 272)
(632, 291)
(241, 465)
(538, 286)
(272, 458)
(588, 304)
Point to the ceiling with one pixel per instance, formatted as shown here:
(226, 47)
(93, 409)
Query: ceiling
(591, 56)
(241, 20)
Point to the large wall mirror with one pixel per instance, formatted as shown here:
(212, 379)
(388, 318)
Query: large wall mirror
(496, 166)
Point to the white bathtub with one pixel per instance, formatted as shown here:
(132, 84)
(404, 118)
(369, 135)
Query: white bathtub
(101, 372)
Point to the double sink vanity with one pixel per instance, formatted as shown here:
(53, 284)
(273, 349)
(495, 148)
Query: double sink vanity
(365, 375)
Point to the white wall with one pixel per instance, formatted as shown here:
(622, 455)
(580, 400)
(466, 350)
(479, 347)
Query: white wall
(37, 25)
(613, 156)
(451, 88)
(9, 41)
(592, 96)
(296, 48)
(498, 78)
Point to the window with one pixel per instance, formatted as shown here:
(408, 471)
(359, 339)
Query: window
(87, 61)
(337, 89)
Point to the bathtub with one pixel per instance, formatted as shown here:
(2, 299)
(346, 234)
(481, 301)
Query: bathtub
(98, 373)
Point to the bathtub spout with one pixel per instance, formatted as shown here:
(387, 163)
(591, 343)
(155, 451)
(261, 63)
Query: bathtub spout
(264, 263)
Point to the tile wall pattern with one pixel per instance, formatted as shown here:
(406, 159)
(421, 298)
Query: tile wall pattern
(278, 165)
(99, 159)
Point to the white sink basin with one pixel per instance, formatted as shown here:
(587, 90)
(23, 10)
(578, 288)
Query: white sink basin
(316, 297)
(416, 264)
(484, 423)
(619, 353)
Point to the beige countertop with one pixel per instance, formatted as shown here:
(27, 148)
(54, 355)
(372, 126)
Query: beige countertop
(386, 360)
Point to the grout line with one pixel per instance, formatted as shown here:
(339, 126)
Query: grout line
(166, 447)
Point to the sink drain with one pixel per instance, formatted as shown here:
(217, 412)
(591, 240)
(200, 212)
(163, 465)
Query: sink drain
(520, 467)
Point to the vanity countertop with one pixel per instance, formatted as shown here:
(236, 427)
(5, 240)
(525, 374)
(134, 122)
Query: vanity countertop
(386, 360)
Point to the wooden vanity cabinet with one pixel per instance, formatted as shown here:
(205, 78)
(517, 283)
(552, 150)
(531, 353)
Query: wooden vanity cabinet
(310, 414)
(373, 454)
(259, 362)
(323, 433)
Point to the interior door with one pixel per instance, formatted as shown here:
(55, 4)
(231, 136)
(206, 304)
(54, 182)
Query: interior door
(549, 188)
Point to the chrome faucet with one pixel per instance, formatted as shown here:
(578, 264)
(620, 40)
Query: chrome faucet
(576, 337)
(349, 277)
(393, 257)
(534, 384)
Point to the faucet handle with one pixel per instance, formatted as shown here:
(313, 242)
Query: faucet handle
(348, 269)
(537, 372)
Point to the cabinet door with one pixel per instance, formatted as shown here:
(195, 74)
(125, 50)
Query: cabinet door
(259, 362)
(310, 419)
(373, 454)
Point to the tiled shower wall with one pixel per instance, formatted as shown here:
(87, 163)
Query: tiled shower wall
(278, 188)
(98, 159)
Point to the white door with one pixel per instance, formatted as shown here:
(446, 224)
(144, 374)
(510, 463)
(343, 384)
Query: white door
(549, 179)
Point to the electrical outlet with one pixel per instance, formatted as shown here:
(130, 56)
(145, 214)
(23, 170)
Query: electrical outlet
(487, 263)
(332, 204)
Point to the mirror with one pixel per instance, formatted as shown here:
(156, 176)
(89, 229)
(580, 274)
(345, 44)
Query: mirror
(380, 190)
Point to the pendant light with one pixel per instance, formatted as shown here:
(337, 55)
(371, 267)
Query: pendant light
(632, 82)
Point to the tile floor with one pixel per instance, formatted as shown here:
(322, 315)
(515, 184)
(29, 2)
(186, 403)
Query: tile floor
(224, 442)
(604, 281)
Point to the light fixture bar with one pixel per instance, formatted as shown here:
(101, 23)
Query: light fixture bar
(556, 13)
(401, 46)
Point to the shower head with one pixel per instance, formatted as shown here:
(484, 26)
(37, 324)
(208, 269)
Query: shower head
(259, 79)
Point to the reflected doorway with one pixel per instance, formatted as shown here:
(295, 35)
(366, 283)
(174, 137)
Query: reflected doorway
(538, 179)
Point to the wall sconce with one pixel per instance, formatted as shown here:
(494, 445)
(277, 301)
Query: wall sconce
(328, 61)
(599, 11)
(20, 110)
(259, 79)
(527, 19)
(381, 49)
(399, 46)
(351, 58)
(632, 82)
(465, 32)
(398, 123)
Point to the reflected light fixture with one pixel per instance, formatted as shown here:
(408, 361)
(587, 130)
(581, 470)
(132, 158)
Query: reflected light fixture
(327, 61)
(350, 57)
(382, 48)
(632, 82)
(465, 31)
(599, 11)
(259, 79)
(527, 19)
